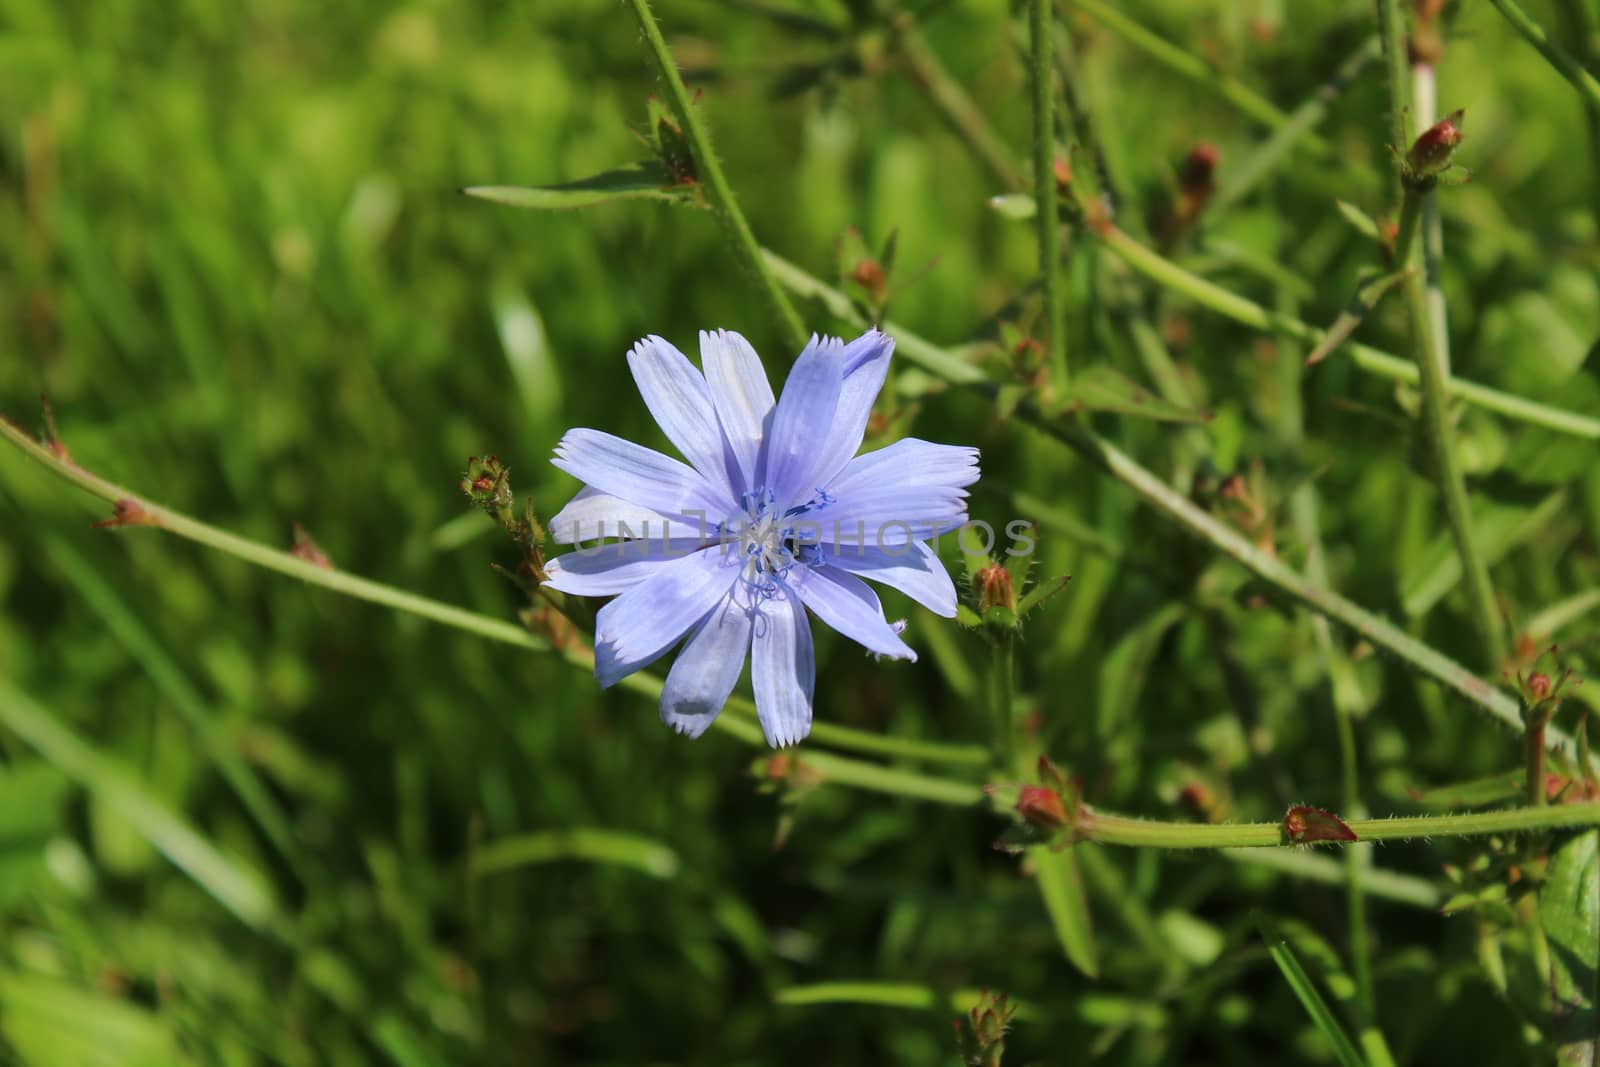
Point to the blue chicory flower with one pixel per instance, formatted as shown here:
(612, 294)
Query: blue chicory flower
(774, 513)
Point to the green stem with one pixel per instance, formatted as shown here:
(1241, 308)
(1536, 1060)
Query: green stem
(1533, 785)
(1001, 690)
(1166, 273)
(1047, 217)
(1583, 26)
(1342, 687)
(1187, 64)
(1425, 104)
(1397, 60)
(1197, 522)
(271, 558)
(709, 171)
(1560, 59)
(955, 105)
(741, 723)
(1110, 829)
(1433, 365)
(1406, 228)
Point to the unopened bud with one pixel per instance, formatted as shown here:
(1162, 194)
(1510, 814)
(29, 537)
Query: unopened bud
(995, 589)
(1041, 808)
(1433, 151)
(1540, 685)
(1199, 170)
(1062, 167)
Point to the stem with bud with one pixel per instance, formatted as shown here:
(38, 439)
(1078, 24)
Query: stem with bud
(709, 169)
(1419, 169)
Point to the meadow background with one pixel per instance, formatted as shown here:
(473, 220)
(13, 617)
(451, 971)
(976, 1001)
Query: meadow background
(234, 255)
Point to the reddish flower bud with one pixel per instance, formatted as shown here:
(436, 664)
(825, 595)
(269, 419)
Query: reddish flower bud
(1042, 808)
(1433, 151)
(1063, 172)
(1199, 170)
(1539, 685)
(995, 589)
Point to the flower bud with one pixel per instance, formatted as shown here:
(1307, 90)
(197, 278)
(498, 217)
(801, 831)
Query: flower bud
(1199, 171)
(1433, 151)
(995, 589)
(1041, 808)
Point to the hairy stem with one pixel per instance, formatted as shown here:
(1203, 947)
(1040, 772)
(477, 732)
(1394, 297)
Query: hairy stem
(1110, 829)
(1433, 364)
(1001, 688)
(709, 171)
(1047, 217)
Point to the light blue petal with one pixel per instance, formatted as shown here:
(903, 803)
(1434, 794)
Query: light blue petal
(865, 363)
(742, 396)
(677, 395)
(906, 464)
(918, 574)
(707, 668)
(640, 475)
(783, 669)
(632, 631)
(849, 605)
(595, 516)
(801, 422)
(886, 518)
(606, 570)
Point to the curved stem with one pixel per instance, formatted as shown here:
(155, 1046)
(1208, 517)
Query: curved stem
(709, 170)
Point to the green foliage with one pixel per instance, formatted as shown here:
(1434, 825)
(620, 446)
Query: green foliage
(244, 820)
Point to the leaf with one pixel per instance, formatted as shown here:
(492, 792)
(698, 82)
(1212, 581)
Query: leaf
(1040, 593)
(47, 1020)
(1569, 910)
(641, 181)
(31, 797)
(588, 844)
(237, 887)
(1475, 793)
(1359, 219)
(1100, 388)
(527, 349)
(1061, 886)
(1306, 992)
(1362, 301)
(1498, 528)
(1013, 206)
(1122, 671)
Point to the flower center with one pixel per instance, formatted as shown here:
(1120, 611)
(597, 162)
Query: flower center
(770, 541)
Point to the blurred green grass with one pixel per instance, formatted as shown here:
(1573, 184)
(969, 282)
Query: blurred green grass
(233, 254)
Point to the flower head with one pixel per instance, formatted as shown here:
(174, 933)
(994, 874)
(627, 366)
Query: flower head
(772, 514)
